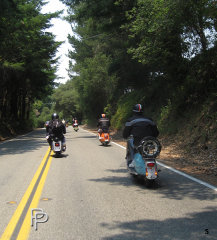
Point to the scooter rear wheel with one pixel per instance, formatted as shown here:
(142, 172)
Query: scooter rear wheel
(150, 182)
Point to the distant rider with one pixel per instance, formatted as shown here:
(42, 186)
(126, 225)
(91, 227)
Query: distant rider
(60, 130)
(103, 124)
(75, 122)
(139, 127)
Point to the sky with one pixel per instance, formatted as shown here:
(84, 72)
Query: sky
(60, 29)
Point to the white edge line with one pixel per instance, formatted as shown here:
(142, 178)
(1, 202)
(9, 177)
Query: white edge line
(174, 170)
(119, 145)
(89, 132)
(188, 176)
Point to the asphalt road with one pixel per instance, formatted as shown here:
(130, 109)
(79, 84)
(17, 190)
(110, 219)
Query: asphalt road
(89, 195)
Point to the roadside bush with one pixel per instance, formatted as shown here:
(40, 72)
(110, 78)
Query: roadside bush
(125, 106)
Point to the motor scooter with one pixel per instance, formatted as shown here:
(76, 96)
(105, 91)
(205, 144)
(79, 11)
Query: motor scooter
(57, 146)
(75, 127)
(141, 159)
(104, 138)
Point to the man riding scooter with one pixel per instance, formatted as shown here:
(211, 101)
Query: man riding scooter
(139, 127)
(56, 128)
(103, 124)
(75, 124)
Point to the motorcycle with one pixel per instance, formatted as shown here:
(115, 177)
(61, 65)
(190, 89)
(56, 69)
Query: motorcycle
(143, 164)
(57, 145)
(104, 138)
(75, 126)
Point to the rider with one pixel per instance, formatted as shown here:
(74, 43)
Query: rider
(75, 122)
(139, 127)
(103, 124)
(60, 130)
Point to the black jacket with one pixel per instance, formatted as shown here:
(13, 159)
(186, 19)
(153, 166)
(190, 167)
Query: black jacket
(59, 131)
(103, 123)
(140, 127)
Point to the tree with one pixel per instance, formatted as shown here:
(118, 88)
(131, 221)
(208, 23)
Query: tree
(27, 57)
(65, 100)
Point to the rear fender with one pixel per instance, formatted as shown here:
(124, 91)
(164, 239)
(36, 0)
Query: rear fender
(104, 137)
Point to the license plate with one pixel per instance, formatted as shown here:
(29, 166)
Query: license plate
(151, 173)
(57, 147)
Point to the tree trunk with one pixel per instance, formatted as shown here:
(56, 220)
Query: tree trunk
(201, 34)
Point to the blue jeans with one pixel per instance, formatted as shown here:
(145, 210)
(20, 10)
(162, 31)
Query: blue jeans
(130, 150)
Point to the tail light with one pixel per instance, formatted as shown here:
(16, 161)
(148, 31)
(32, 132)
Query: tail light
(57, 144)
(146, 173)
(150, 165)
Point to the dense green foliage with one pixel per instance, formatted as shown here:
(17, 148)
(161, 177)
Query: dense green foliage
(64, 101)
(27, 57)
(161, 53)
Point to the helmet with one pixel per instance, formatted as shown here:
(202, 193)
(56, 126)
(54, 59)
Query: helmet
(103, 115)
(138, 108)
(55, 116)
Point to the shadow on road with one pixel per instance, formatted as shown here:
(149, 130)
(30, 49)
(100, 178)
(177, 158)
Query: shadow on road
(125, 180)
(135, 179)
(120, 170)
(169, 185)
(195, 226)
(101, 145)
(59, 155)
(177, 187)
(28, 143)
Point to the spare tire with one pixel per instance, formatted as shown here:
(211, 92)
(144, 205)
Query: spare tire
(150, 147)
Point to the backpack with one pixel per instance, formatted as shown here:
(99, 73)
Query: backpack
(56, 127)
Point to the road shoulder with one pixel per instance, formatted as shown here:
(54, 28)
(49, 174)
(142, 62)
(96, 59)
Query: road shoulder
(197, 166)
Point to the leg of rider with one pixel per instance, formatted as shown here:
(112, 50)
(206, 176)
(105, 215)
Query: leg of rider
(127, 151)
(49, 142)
(130, 150)
(100, 132)
(64, 143)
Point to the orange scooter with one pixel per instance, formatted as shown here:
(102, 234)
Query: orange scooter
(104, 138)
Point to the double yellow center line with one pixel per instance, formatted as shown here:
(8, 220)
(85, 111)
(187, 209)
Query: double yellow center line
(19, 226)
